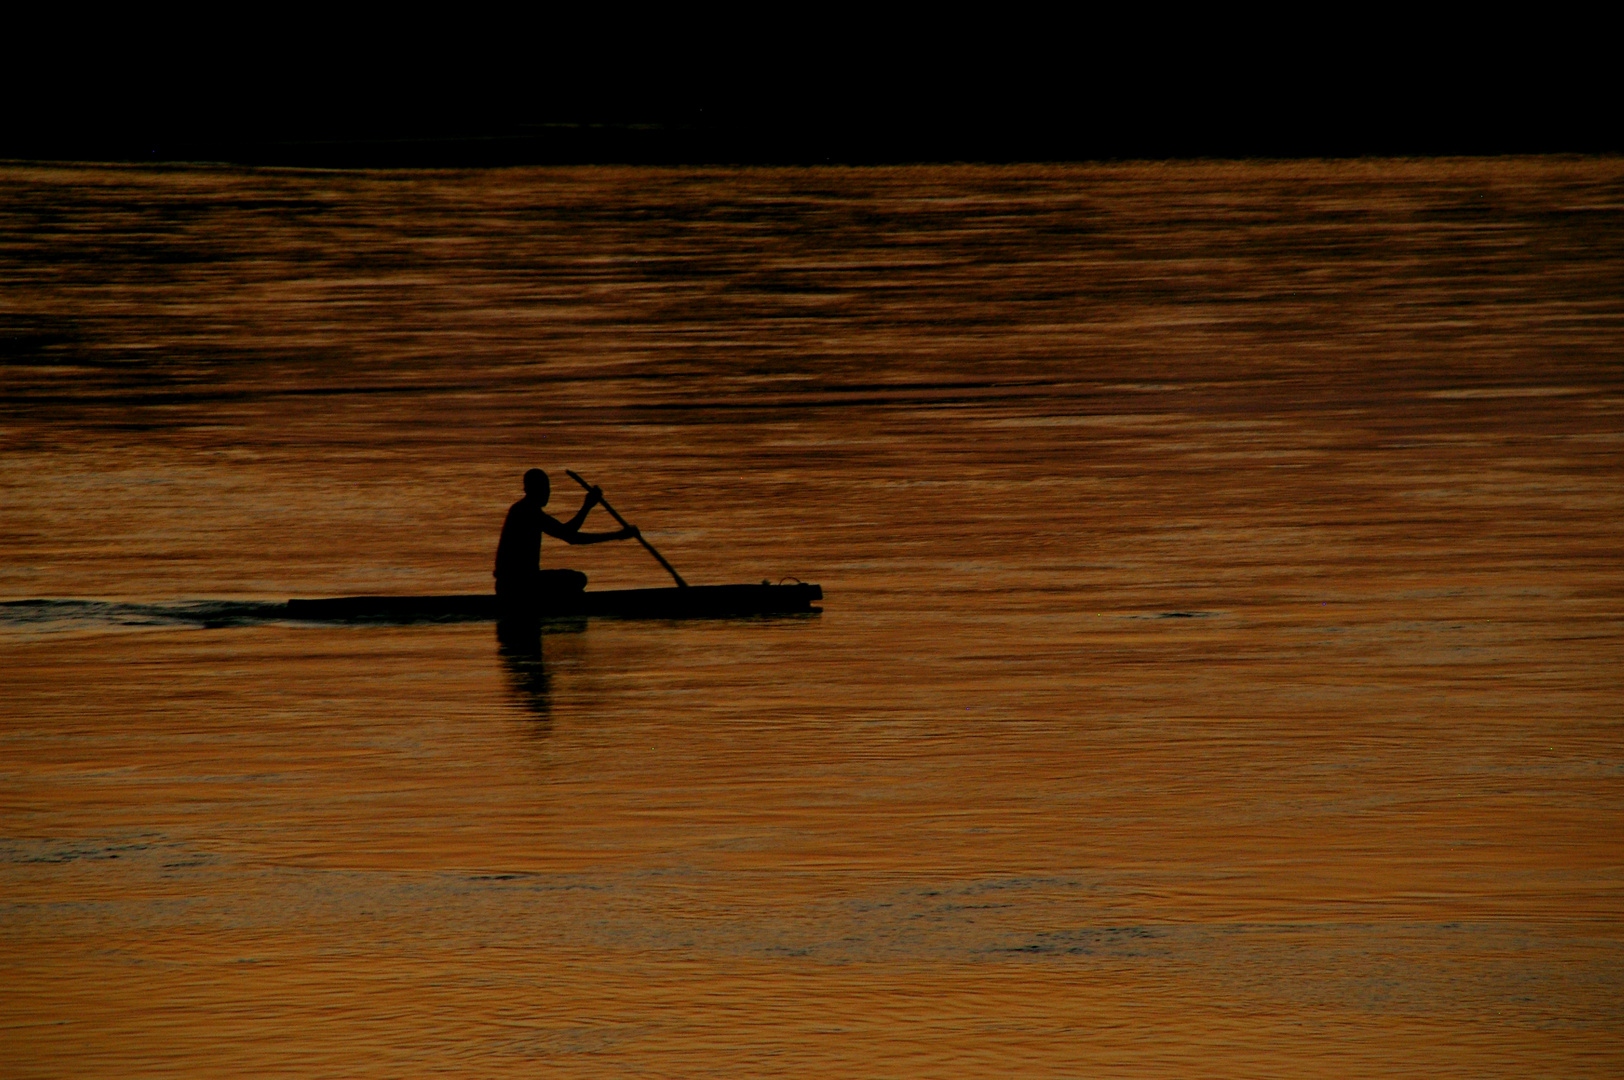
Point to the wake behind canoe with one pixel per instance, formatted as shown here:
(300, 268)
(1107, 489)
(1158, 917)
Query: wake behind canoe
(694, 601)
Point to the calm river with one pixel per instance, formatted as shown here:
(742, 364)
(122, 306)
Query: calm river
(1221, 671)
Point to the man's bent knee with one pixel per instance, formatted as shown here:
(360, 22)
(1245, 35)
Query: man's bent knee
(540, 585)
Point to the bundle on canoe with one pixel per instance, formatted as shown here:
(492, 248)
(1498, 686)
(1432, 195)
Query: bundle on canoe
(687, 602)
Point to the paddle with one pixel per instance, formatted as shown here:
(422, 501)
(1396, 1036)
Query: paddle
(623, 524)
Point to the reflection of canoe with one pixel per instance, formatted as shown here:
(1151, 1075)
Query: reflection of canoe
(694, 601)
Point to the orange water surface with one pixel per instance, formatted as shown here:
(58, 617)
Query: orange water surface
(1221, 671)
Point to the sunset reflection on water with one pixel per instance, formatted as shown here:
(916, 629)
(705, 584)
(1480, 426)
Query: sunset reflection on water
(1219, 670)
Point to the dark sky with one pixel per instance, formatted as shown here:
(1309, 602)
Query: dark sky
(529, 96)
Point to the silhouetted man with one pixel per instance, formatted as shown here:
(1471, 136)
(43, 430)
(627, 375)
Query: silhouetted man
(519, 576)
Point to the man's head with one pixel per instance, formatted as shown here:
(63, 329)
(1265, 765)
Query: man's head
(537, 486)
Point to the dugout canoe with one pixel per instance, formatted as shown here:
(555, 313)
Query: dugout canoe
(688, 602)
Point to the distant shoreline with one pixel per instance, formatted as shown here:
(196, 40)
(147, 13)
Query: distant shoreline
(685, 144)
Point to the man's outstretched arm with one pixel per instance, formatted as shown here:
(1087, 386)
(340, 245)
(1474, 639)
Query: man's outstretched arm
(570, 531)
(579, 537)
(594, 496)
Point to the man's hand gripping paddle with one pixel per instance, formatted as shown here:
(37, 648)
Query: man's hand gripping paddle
(624, 524)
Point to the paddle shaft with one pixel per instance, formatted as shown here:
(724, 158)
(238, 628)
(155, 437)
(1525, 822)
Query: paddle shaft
(624, 525)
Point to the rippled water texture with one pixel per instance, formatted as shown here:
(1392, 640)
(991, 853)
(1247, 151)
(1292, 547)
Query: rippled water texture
(1220, 670)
